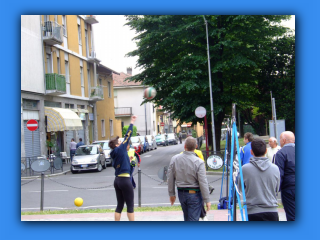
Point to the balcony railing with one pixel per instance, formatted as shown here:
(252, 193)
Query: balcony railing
(123, 111)
(96, 93)
(93, 57)
(55, 84)
(52, 33)
(91, 19)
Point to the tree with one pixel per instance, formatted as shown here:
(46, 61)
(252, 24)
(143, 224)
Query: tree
(125, 129)
(172, 51)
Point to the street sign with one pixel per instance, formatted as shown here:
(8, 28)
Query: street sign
(215, 162)
(200, 112)
(162, 124)
(32, 125)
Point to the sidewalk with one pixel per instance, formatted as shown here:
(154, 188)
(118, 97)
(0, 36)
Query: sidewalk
(213, 215)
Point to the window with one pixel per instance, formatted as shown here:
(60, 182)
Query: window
(111, 128)
(79, 31)
(89, 80)
(109, 89)
(58, 65)
(103, 130)
(100, 82)
(64, 25)
(67, 105)
(66, 65)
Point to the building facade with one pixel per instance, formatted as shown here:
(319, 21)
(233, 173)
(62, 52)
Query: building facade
(60, 83)
(128, 97)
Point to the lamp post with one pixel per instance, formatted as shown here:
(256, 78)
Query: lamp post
(211, 101)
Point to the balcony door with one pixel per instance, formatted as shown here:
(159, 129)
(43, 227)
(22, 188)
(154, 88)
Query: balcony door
(49, 63)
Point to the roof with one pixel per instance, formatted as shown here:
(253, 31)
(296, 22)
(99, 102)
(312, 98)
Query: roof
(119, 80)
(102, 68)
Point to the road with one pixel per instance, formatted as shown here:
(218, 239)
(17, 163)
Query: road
(96, 188)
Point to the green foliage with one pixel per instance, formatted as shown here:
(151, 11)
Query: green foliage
(172, 50)
(194, 133)
(125, 129)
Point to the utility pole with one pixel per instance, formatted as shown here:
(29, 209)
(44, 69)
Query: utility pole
(211, 100)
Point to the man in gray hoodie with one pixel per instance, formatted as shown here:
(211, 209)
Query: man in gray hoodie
(261, 181)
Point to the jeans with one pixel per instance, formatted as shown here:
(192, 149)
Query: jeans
(72, 152)
(191, 204)
(288, 198)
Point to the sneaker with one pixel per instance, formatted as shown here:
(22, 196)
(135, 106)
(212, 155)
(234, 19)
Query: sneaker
(211, 189)
(205, 218)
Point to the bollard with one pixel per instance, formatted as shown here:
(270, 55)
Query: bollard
(42, 192)
(139, 186)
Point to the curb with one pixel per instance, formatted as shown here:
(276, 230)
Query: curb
(49, 175)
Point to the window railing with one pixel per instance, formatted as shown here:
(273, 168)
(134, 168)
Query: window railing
(56, 82)
(52, 30)
(96, 92)
(123, 111)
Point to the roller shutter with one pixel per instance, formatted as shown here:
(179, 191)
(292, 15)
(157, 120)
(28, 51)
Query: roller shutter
(28, 141)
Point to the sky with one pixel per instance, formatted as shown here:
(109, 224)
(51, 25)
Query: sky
(113, 41)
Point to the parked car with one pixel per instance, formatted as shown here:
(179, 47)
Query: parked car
(146, 146)
(152, 142)
(162, 140)
(105, 146)
(224, 133)
(137, 144)
(172, 138)
(88, 157)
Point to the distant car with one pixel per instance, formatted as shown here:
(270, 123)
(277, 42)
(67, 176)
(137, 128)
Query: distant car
(172, 138)
(162, 140)
(224, 133)
(88, 157)
(137, 144)
(105, 146)
(152, 142)
(146, 146)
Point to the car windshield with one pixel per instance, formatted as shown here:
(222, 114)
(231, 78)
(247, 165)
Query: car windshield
(134, 139)
(104, 145)
(90, 150)
(142, 138)
(149, 137)
(161, 137)
(171, 136)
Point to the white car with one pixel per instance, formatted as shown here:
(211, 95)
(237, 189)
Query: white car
(105, 146)
(88, 157)
(152, 142)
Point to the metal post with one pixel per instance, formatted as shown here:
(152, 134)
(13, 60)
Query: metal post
(145, 114)
(139, 186)
(274, 118)
(211, 101)
(206, 128)
(42, 192)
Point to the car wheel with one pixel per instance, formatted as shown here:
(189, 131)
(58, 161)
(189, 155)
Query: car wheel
(104, 165)
(99, 169)
(72, 171)
(110, 164)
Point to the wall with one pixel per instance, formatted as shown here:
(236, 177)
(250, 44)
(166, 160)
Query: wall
(32, 73)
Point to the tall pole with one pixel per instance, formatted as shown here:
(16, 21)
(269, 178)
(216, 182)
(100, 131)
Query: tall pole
(211, 101)
(145, 114)
(206, 128)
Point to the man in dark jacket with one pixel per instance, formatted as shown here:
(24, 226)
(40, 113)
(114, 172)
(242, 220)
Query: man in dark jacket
(80, 143)
(285, 160)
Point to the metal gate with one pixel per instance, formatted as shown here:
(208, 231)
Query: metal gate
(28, 141)
(69, 136)
(81, 133)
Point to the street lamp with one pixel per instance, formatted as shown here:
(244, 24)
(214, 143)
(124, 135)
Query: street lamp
(211, 100)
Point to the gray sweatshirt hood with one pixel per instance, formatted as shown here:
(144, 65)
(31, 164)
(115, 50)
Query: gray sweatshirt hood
(262, 163)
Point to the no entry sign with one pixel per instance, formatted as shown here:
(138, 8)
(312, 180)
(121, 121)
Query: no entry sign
(32, 125)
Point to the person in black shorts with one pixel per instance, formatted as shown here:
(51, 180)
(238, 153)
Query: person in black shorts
(122, 182)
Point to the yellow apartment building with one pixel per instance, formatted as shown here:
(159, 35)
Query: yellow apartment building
(72, 94)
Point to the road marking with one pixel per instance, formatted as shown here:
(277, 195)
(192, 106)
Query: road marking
(147, 156)
(101, 189)
(159, 187)
(51, 191)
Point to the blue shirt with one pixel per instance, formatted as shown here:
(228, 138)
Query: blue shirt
(80, 144)
(245, 154)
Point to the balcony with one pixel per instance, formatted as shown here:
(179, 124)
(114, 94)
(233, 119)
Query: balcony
(55, 84)
(93, 57)
(91, 19)
(123, 112)
(52, 33)
(96, 94)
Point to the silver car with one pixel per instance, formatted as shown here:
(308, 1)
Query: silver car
(105, 146)
(88, 157)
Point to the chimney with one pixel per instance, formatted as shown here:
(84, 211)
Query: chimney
(129, 71)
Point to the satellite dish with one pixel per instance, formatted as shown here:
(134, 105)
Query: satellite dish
(40, 165)
(162, 173)
(215, 162)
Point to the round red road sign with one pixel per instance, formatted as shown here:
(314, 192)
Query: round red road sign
(32, 125)
(162, 124)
